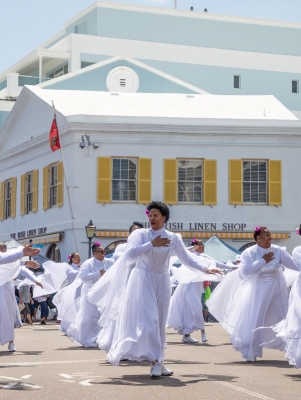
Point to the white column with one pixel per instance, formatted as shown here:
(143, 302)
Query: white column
(12, 84)
(40, 68)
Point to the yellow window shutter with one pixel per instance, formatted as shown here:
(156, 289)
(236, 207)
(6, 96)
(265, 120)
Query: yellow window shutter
(13, 197)
(35, 185)
(22, 195)
(104, 179)
(144, 180)
(60, 184)
(235, 181)
(2, 187)
(45, 188)
(210, 182)
(170, 181)
(275, 183)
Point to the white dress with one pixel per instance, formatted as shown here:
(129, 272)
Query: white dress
(141, 320)
(186, 310)
(9, 311)
(289, 330)
(84, 327)
(257, 297)
(71, 273)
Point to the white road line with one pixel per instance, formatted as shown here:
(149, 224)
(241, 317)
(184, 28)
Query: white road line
(86, 382)
(63, 380)
(51, 362)
(25, 376)
(66, 376)
(238, 388)
(10, 378)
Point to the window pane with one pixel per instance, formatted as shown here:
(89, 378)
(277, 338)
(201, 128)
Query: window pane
(246, 171)
(124, 163)
(295, 86)
(189, 172)
(254, 192)
(116, 169)
(236, 81)
(124, 174)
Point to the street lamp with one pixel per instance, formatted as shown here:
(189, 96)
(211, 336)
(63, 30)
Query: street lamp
(90, 230)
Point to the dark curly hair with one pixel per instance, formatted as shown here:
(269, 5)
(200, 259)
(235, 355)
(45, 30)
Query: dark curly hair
(162, 207)
(258, 230)
(195, 242)
(71, 256)
(135, 223)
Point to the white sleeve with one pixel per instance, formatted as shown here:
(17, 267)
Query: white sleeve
(85, 273)
(28, 274)
(136, 240)
(287, 260)
(6, 258)
(71, 273)
(189, 259)
(223, 266)
(248, 266)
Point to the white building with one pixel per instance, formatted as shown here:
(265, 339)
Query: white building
(210, 53)
(225, 164)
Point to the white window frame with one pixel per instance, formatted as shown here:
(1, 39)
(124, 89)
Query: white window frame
(134, 159)
(7, 196)
(186, 181)
(28, 193)
(295, 80)
(239, 81)
(258, 182)
(53, 187)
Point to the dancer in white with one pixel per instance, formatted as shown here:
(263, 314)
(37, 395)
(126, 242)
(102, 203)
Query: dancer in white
(142, 309)
(258, 297)
(105, 337)
(186, 307)
(289, 330)
(9, 311)
(84, 327)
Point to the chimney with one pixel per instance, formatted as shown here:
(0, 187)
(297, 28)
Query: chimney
(191, 9)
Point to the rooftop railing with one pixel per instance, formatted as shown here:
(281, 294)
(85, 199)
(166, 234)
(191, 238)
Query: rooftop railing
(30, 80)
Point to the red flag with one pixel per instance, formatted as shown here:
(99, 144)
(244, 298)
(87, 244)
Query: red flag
(54, 138)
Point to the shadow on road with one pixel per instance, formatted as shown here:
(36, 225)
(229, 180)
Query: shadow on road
(145, 380)
(259, 363)
(296, 378)
(220, 378)
(20, 353)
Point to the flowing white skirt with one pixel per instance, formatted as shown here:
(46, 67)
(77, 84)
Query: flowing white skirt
(9, 313)
(249, 305)
(186, 311)
(289, 330)
(139, 333)
(85, 328)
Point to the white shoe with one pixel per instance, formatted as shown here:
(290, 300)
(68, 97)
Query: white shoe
(156, 370)
(165, 371)
(204, 337)
(251, 359)
(11, 346)
(189, 339)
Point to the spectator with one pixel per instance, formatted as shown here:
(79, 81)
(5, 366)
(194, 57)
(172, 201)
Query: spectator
(42, 300)
(25, 298)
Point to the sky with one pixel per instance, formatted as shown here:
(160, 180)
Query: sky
(25, 25)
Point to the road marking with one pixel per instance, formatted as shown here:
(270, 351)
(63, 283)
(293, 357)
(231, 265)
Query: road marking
(10, 378)
(66, 376)
(238, 388)
(25, 376)
(63, 380)
(50, 362)
(86, 382)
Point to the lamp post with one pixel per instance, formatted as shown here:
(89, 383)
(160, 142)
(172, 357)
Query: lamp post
(90, 230)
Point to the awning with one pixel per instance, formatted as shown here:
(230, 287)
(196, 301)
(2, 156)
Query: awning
(51, 238)
(188, 235)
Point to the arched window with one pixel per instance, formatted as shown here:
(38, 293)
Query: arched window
(111, 247)
(53, 253)
(246, 246)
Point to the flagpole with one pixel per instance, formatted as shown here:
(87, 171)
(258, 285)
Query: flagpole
(66, 181)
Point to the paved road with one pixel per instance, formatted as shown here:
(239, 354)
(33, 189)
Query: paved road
(60, 369)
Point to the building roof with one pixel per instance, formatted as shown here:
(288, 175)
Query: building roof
(78, 106)
(94, 77)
